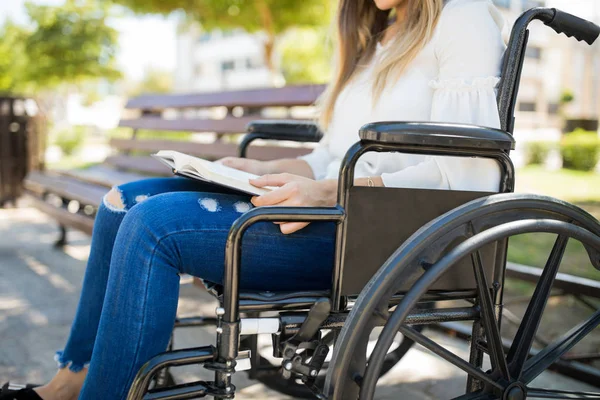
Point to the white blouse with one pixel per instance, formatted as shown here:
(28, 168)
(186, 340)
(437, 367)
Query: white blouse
(453, 79)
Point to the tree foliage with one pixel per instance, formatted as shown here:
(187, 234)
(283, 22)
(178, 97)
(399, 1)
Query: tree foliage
(13, 60)
(154, 81)
(252, 15)
(270, 16)
(65, 44)
(306, 56)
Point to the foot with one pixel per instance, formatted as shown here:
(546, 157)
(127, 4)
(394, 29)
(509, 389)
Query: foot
(65, 385)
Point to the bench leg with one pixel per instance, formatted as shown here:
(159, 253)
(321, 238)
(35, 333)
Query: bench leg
(62, 240)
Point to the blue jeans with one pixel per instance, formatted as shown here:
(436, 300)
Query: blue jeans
(171, 226)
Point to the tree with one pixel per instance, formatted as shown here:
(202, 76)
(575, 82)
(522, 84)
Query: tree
(13, 60)
(270, 16)
(305, 56)
(61, 45)
(154, 81)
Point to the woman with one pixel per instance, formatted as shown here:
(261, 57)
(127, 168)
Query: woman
(436, 60)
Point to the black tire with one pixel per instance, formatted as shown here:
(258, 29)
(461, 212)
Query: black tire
(478, 223)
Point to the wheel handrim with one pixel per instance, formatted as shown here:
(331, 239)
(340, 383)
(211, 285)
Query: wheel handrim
(399, 263)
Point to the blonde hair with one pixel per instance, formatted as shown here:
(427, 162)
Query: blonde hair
(360, 25)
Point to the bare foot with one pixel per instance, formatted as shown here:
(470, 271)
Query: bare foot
(65, 385)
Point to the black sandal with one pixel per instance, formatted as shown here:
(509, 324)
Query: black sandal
(18, 392)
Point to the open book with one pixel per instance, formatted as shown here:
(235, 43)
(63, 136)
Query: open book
(208, 171)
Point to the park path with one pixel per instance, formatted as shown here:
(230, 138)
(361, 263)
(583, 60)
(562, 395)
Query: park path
(39, 288)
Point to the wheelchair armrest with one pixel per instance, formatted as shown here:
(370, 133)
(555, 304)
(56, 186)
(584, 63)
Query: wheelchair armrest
(297, 131)
(300, 131)
(442, 135)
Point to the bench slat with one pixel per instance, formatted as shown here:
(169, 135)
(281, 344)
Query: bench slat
(226, 125)
(569, 283)
(103, 175)
(77, 221)
(213, 150)
(64, 186)
(301, 95)
(140, 164)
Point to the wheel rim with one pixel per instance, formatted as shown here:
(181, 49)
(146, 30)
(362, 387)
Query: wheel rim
(495, 208)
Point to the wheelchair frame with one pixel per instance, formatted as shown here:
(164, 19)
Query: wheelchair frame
(330, 311)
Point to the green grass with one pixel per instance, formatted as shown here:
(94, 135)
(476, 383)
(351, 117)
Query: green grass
(580, 188)
(569, 185)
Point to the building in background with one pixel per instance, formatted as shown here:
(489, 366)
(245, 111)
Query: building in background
(221, 60)
(554, 67)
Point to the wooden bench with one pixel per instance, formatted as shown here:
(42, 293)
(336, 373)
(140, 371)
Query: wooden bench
(217, 120)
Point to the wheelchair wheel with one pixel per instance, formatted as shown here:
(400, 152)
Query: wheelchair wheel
(270, 375)
(478, 223)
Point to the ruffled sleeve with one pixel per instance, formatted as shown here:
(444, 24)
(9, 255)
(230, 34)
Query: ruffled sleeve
(318, 160)
(466, 101)
(468, 46)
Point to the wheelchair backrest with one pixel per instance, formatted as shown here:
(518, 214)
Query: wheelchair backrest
(381, 219)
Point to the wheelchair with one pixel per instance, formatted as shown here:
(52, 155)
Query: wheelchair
(403, 258)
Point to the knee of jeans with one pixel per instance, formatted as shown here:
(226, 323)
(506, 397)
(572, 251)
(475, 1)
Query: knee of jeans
(113, 200)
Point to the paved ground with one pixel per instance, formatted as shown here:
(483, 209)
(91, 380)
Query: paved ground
(39, 289)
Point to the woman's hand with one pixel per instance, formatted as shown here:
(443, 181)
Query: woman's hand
(295, 191)
(255, 167)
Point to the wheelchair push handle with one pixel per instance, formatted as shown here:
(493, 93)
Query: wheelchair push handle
(572, 26)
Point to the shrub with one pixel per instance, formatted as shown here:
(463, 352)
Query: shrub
(537, 152)
(580, 150)
(70, 139)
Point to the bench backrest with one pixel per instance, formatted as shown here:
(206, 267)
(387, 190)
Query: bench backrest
(219, 116)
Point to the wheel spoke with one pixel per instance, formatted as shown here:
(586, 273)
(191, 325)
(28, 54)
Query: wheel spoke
(447, 355)
(490, 324)
(560, 394)
(545, 358)
(519, 351)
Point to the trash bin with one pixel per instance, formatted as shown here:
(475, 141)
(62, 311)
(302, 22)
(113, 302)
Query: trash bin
(20, 145)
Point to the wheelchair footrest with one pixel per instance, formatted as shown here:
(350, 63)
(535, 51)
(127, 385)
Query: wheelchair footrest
(191, 390)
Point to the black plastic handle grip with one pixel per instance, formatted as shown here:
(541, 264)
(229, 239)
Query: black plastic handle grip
(574, 26)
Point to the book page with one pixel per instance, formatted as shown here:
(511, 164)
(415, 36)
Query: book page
(198, 168)
(220, 169)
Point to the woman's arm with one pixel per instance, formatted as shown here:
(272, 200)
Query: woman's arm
(313, 165)
(297, 191)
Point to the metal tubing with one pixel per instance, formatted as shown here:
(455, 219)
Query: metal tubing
(525, 335)
(228, 335)
(475, 356)
(291, 323)
(398, 267)
(346, 181)
(513, 64)
(577, 370)
(179, 392)
(546, 357)
(236, 233)
(194, 322)
(447, 355)
(468, 246)
(168, 359)
(488, 318)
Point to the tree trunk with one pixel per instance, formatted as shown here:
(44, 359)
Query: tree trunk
(266, 17)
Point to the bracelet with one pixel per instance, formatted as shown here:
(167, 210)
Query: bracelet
(370, 182)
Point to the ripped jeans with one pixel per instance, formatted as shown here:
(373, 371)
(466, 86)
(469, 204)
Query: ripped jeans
(165, 227)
